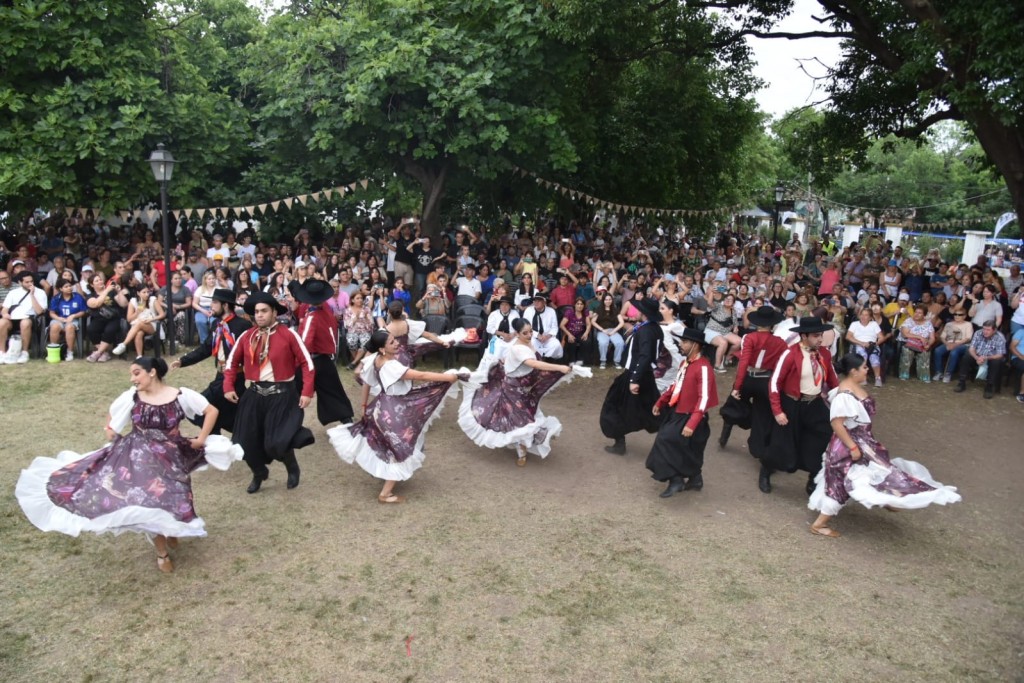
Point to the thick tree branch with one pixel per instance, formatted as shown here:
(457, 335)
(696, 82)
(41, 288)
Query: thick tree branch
(927, 122)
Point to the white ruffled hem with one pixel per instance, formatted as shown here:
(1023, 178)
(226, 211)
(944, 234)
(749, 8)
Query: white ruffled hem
(863, 478)
(44, 514)
(355, 449)
(487, 438)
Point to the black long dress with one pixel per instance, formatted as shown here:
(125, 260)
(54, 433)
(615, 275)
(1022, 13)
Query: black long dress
(624, 412)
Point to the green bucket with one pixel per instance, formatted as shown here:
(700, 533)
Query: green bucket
(53, 353)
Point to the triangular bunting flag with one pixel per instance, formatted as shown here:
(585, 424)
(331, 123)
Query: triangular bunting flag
(176, 213)
(262, 208)
(223, 211)
(276, 204)
(302, 198)
(288, 201)
(316, 196)
(365, 183)
(189, 212)
(352, 186)
(522, 173)
(327, 193)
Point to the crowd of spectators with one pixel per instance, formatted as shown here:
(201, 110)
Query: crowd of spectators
(911, 315)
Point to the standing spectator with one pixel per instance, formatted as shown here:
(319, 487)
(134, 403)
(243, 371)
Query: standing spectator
(984, 359)
(1017, 359)
(424, 257)
(20, 308)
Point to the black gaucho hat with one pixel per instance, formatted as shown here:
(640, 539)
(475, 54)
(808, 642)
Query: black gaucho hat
(225, 296)
(690, 334)
(649, 307)
(263, 298)
(313, 292)
(765, 316)
(811, 325)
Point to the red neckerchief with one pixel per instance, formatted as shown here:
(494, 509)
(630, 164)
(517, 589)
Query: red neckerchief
(259, 346)
(224, 335)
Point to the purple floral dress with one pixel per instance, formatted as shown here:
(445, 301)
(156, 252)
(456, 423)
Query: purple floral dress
(148, 467)
(874, 479)
(140, 481)
(388, 441)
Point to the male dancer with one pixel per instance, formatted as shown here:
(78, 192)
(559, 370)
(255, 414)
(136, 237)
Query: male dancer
(802, 377)
(760, 352)
(268, 425)
(499, 326)
(627, 405)
(319, 332)
(228, 328)
(677, 455)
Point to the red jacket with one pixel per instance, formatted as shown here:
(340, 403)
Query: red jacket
(287, 356)
(760, 350)
(318, 329)
(786, 378)
(699, 392)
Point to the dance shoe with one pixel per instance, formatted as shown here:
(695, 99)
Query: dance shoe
(257, 481)
(675, 485)
(694, 483)
(764, 480)
(617, 448)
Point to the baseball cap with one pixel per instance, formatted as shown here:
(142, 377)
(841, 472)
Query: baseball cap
(892, 262)
(88, 266)
(17, 261)
(218, 257)
(300, 264)
(903, 297)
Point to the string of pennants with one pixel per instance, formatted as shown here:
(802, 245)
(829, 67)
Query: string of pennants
(625, 208)
(251, 210)
(959, 223)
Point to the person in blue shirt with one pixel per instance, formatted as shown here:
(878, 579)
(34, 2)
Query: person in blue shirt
(66, 312)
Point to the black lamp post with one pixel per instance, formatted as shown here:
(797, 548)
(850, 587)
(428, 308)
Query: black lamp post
(162, 164)
(780, 192)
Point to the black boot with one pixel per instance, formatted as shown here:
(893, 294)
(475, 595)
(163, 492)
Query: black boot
(988, 391)
(764, 480)
(694, 483)
(292, 466)
(617, 448)
(961, 386)
(675, 485)
(724, 438)
(810, 484)
(257, 480)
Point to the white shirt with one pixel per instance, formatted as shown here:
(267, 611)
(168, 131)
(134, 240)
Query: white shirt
(19, 303)
(865, 333)
(213, 251)
(469, 287)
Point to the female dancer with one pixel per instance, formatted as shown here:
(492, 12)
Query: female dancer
(500, 404)
(387, 442)
(857, 466)
(670, 357)
(138, 482)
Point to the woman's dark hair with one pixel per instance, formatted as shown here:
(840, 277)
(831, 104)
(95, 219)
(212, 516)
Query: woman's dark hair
(377, 340)
(672, 306)
(149, 364)
(519, 323)
(849, 362)
(396, 310)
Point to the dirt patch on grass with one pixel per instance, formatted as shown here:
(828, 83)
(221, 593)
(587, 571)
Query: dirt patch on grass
(569, 569)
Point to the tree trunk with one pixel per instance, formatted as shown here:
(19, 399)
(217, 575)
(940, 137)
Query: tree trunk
(432, 181)
(1004, 145)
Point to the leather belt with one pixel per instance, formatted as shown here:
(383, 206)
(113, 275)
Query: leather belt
(805, 398)
(758, 372)
(268, 388)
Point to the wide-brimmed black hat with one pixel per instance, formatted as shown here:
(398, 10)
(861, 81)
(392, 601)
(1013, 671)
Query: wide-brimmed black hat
(649, 307)
(225, 296)
(811, 325)
(690, 334)
(507, 300)
(313, 292)
(765, 316)
(541, 296)
(263, 298)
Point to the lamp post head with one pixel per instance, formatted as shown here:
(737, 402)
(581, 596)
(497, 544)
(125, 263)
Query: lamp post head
(780, 192)
(162, 163)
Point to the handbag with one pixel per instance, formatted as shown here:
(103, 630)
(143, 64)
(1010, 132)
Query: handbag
(915, 345)
(106, 312)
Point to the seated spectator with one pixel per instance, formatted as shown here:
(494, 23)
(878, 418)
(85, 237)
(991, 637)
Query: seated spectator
(433, 303)
(984, 359)
(108, 306)
(576, 327)
(21, 306)
(607, 322)
(866, 338)
(954, 339)
(918, 335)
(468, 284)
(1017, 359)
(986, 308)
(400, 293)
(144, 312)
(359, 325)
(201, 302)
(67, 310)
(499, 326)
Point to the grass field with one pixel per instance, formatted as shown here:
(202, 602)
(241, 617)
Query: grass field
(571, 569)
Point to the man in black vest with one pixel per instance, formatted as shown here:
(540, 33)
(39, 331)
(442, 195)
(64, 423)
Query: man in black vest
(227, 329)
(627, 406)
